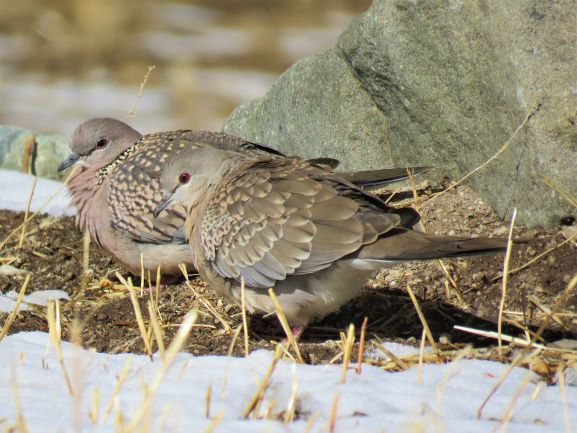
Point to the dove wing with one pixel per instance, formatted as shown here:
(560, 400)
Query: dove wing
(285, 216)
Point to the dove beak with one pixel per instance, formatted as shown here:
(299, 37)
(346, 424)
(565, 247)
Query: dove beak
(166, 200)
(72, 158)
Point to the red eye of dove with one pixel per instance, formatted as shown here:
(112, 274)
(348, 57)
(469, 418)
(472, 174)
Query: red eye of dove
(101, 143)
(184, 178)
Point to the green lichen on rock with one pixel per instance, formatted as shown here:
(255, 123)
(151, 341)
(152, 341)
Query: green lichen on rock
(43, 156)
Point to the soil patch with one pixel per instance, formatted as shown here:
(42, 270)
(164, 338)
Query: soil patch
(463, 292)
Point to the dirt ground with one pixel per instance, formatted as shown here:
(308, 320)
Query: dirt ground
(466, 293)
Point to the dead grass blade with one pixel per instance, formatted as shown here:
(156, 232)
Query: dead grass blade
(333, 417)
(256, 401)
(20, 422)
(23, 234)
(421, 356)
(132, 111)
(158, 335)
(508, 416)
(175, 347)
(525, 354)
(564, 192)
(204, 301)
(55, 332)
(243, 311)
(41, 209)
(534, 108)
(285, 325)
(361, 345)
(214, 423)
(539, 256)
(289, 414)
(138, 314)
(563, 391)
(8, 324)
(207, 400)
(347, 351)
(426, 328)
(117, 387)
(505, 281)
(400, 363)
(495, 335)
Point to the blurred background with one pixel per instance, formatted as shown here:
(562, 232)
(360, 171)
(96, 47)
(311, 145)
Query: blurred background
(64, 61)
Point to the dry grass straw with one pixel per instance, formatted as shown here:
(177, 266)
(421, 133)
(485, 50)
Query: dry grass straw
(158, 335)
(534, 108)
(138, 313)
(255, 403)
(500, 336)
(233, 340)
(508, 416)
(285, 325)
(526, 353)
(563, 391)
(311, 422)
(205, 301)
(94, 410)
(20, 422)
(55, 332)
(175, 346)
(505, 281)
(207, 401)
(132, 111)
(564, 192)
(421, 356)
(426, 328)
(23, 233)
(289, 414)
(400, 363)
(333, 417)
(347, 351)
(361, 345)
(117, 387)
(539, 256)
(41, 209)
(213, 424)
(8, 324)
(243, 311)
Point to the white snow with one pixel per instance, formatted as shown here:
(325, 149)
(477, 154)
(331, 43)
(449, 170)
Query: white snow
(374, 401)
(16, 187)
(39, 297)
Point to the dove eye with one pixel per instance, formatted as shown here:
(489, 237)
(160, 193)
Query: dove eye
(184, 178)
(100, 144)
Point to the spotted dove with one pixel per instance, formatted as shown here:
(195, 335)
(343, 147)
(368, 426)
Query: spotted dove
(115, 188)
(295, 226)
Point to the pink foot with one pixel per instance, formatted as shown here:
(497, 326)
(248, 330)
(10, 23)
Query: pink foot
(297, 332)
(152, 289)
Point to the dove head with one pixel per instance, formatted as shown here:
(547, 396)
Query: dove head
(98, 142)
(188, 174)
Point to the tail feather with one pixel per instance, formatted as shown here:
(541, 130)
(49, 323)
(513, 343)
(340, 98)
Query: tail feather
(413, 245)
(378, 178)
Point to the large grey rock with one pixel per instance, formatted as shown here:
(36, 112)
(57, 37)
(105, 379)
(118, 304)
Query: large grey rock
(30, 151)
(444, 83)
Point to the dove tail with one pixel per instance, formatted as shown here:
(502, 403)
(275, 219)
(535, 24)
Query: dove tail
(412, 245)
(374, 179)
